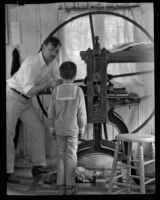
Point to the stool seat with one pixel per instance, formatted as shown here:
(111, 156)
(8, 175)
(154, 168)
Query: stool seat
(131, 163)
(135, 137)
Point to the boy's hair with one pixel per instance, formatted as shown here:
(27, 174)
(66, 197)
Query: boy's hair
(53, 40)
(68, 70)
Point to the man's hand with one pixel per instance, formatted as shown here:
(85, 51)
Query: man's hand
(52, 133)
(53, 84)
(59, 81)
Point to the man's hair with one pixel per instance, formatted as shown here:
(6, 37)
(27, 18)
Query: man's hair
(68, 70)
(52, 40)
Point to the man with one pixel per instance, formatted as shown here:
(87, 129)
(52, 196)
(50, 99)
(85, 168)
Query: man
(37, 73)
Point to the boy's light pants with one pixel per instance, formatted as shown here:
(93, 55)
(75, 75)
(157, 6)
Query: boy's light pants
(19, 107)
(67, 160)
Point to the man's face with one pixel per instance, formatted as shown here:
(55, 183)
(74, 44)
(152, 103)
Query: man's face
(50, 52)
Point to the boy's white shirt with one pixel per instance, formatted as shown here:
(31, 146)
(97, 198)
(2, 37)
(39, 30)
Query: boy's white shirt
(67, 100)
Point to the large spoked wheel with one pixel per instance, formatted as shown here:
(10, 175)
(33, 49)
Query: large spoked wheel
(116, 121)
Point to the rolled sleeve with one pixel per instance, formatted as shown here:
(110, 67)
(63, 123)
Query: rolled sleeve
(27, 88)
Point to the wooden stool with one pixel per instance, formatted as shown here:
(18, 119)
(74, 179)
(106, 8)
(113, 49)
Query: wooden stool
(139, 139)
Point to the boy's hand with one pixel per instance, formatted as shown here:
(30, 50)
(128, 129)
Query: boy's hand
(52, 133)
(80, 136)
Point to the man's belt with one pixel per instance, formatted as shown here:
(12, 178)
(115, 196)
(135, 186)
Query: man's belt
(20, 93)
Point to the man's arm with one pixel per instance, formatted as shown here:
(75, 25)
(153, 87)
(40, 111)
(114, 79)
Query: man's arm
(36, 89)
(32, 84)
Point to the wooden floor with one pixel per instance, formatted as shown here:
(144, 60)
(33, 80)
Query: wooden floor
(29, 186)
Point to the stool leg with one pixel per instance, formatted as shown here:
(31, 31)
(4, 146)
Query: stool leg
(141, 168)
(153, 150)
(114, 165)
(128, 169)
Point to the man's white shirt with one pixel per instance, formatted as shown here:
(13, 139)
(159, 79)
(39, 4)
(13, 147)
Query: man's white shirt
(33, 72)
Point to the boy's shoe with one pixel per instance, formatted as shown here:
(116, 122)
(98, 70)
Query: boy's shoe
(61, 190)
(71, 190)
(11, 178)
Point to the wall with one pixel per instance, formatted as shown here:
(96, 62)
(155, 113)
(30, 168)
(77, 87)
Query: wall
(36, 22)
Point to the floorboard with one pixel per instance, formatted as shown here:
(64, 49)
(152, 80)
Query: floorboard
(26, 187)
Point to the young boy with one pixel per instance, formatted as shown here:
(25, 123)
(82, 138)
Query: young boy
(67, 119)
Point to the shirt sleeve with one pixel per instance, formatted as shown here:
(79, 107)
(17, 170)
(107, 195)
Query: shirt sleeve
(82, 116)
(51, 109)
(31, 74)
